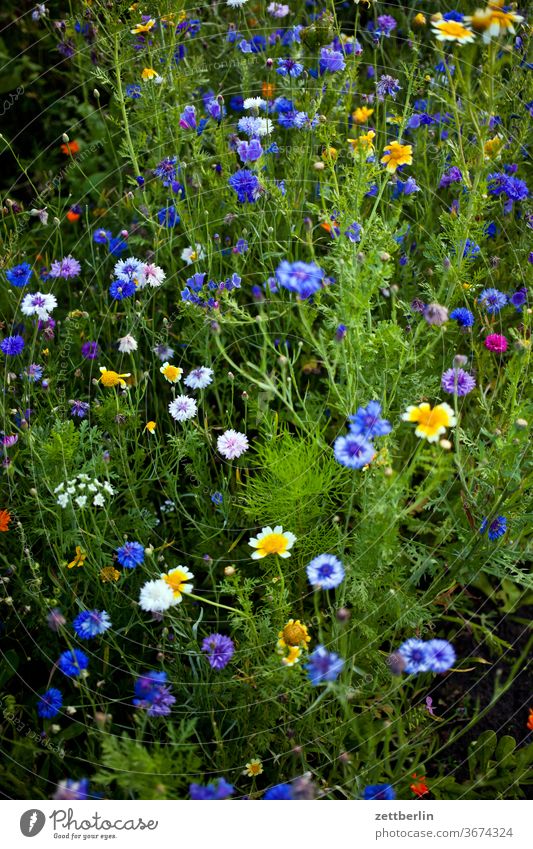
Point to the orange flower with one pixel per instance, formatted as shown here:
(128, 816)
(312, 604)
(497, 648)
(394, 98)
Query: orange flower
(70, 148)
(419, 787)
(529, 724)
(73, 216)
(5, 518)
(267, 90)
(396, 154)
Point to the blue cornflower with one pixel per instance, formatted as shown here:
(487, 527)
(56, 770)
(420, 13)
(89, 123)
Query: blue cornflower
(453, 15)
(413, 651)
(303, 278)
(453, 175)
(12, 346)
(331, 61)
(387, 85)
(188, 118)
(497, 527)
(250, 151)
(50, 703)
(493, 300)
(340, 332)
(71, 790)
(34, 372)
(440, 655)
(168, 216)
(280, 793)
(153, 695)
(463, 317)
(513, 188)
(289, 67)
(325, 571)
(471, 250)
(130, 555)
(367, 421)
(217, 498)
(101, 237)
(323, 666)
(519, 298)
(219, 650)
(133, 90)
(120, 289)
(91, 623)
(73, 662)
(379, 791)
(166, 170)
(79, 409)
(246, 185)
(353, 451)
(117, 246)
(19, 275)
(353, 232)
(211, 792)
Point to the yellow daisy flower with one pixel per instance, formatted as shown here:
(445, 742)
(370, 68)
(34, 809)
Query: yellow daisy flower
(177, 580)
(493, 21)
(272, 541)
(294, 637)
(492, 147)
(253, 768)
(363, 143)
(171, 373)
(452, 31)
(292, 657)
(432, 422)
(148, 74)
(362, 114)
(329, 154)
(140, 28)
(109, 574)
(396, 154)
(150, 427)
(111, 378)
(419, 20)
(79, 558)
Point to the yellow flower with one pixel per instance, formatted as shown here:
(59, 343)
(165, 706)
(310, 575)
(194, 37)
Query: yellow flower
(140, 28)
(177, 580)
(419, 20)
(329, 154)
(272, 542)
(79, 558)
(150, 427)
(109, 574)
(292, 657)
(148, 74)
(294, 637)
(432, 422)
(396, 154)
(492, 147)
(253, 768)
(494, 21)
(363, 143)
(452, 31)
(111, 378)
(171, 373)
(362, 114)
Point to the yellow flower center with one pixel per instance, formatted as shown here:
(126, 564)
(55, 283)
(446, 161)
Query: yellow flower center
(193, 256)
(273, 544)
(454, 29)
(176, 579)
(294, 633)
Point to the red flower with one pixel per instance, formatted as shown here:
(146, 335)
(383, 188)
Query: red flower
(5, 518)
(70, 148)
(529, 724)
(419, 787)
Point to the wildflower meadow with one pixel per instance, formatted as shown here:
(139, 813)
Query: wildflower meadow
(265, 330)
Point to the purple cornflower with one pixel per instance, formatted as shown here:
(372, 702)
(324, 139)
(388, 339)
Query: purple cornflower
(367, 421)
(303, 278)
(497, 527)
(90, 350)
(513, 188)
(353, 451)
(152, 694)
(519, 298)
(50, 703)
(458, 382)
(12, 346)
(246, 185)
(250, 151)
(289, 67)
(493, 300)
(440, 655)
(323, 666)
(91, 623)
(19, 275)
(215, 791)
(219, 650)
(166, 170)
(386, 24)
(130, 555)
(331, 61)
(79, 409)
(67, 268)
(188, 118)
(387, 85)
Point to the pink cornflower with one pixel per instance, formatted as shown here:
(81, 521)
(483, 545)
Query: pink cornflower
(495, 342)
(232, 444)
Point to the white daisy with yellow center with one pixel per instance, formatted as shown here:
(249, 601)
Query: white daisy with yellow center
(177, 579)
(171, 373)
(452, 31)
(272, 541)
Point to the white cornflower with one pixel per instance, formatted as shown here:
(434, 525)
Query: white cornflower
(264, 127)
(235, 4)
(199, 378)
(127, 344)
(232, 444)
(152, 276)
(255, 103)
(182, 408)
(39, 305)
(156, 596)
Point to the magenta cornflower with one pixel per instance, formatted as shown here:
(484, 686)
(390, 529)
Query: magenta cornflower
(496, 342)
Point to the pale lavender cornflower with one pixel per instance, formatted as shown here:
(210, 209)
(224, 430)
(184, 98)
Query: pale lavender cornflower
(387, 85)
(199, 378)
(39, 304)
(458, 382)
(182, 408)
(55, 619)
(67, 268)
(232, 444)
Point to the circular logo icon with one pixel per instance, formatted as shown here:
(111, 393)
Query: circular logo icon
(32, 822)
